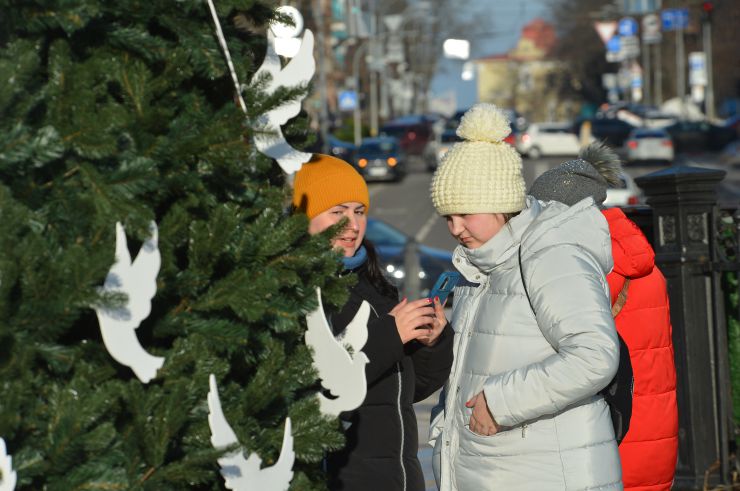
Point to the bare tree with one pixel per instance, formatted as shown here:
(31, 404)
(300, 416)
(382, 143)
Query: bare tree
(580, 48)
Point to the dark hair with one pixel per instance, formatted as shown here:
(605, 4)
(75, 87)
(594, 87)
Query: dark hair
(510, 215)
(375, 273)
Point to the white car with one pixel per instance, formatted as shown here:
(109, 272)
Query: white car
(624, 194)
(543, 139)
(652, 144)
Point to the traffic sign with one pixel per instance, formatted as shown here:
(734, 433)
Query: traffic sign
(613, 45)
(651, 29)
(606, 30)
(674, 19)
(613, 50)
(629, 47)
(682, 18)
(697, 68)
(347, 100)
(609, 81)
(627, 27)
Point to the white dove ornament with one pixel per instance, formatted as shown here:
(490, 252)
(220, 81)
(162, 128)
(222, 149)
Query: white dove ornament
(341, 373)
(299, 70)
(138, 280)
(7, 475)
(242, 474)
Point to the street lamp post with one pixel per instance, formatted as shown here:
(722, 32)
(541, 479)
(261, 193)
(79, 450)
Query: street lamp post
(359, 53)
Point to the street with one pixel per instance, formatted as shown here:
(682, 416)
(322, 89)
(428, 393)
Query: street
(407, 206)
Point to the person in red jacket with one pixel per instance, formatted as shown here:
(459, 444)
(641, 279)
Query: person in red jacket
(649, 450)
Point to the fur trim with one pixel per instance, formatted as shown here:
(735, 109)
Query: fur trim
(604, 160)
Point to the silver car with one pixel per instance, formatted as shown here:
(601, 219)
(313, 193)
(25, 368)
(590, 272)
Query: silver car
(652, 144)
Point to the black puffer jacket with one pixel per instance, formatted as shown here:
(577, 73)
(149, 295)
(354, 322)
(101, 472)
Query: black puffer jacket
(382, 439)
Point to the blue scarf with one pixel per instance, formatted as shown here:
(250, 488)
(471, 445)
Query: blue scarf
(354, 262)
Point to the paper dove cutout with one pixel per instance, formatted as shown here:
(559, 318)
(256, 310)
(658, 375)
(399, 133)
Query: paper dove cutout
(7, 475)
(299, 70)
(342, 374)
(138, 280)
(242, 474)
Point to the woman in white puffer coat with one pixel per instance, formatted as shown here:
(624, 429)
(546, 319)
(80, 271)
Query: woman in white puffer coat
(521, 409)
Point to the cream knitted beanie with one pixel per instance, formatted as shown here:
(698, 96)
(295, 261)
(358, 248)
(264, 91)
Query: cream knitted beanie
(481, 174)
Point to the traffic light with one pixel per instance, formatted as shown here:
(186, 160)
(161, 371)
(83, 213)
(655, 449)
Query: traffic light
(707, 8)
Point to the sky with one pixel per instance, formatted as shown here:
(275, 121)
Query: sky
(497, 30)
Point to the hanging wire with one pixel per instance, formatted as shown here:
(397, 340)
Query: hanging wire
(227, 54)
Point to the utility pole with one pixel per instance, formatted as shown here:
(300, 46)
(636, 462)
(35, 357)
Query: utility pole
(681, 68)
(658, 74)
(374, 56)
(324, 99)
(707, 7)
(359, 54)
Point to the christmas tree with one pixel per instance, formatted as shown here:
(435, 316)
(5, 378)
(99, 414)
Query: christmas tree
(124, 112)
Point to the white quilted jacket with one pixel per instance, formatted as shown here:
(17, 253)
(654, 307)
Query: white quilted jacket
(541, 382)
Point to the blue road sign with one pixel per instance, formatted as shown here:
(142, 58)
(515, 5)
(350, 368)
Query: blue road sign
(613, 45)
(667, 19)
(347, 100)
(627, 27)
(682, 18)
(674, 19)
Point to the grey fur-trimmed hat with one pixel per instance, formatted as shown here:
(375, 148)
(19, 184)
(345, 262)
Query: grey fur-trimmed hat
(596, 167)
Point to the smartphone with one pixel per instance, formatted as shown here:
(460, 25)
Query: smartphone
(444, 285)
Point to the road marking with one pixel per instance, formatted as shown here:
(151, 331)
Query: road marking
(427, 227)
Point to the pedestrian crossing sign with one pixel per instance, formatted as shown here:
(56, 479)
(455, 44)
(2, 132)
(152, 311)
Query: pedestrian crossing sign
(347, 100)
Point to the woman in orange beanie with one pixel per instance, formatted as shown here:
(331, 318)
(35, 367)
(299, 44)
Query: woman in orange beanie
(409, 342)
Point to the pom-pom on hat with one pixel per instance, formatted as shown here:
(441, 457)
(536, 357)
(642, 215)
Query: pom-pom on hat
(596, 167)
(482, 174)
(326, 181)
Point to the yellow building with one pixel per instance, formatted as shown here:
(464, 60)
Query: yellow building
(526, 79)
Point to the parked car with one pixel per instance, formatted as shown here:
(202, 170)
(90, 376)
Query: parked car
(625, 193)
(391, 246)
(613, 131)
(439, 147)
(342, 149)
(543, 139)
(734, 123)
(649, 144)
(730, 155)
(700, 136)
(413, 133)
(338, 148)
(380, 159)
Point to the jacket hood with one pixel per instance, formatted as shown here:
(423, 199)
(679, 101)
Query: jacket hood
(540, 225)
(633, 255)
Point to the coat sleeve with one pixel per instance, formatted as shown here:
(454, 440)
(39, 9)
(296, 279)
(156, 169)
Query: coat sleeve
(432, 365)
(569, 295)
(383, 348)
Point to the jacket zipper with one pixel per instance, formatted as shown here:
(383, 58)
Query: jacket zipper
(400, 419)
(454, 386)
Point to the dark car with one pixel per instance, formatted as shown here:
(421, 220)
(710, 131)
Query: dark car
(613, 131)
(391, 245)
(336, 147)
(699, 136)
(413, 132)
(380, 159)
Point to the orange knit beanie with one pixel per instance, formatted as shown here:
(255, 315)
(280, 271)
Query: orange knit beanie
(326, 181)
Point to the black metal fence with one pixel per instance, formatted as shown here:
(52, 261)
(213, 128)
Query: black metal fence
(696, 244)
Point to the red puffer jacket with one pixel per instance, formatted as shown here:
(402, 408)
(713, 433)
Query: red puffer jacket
(650, 447)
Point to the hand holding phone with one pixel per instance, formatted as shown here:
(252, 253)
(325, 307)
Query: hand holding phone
(444, 286)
